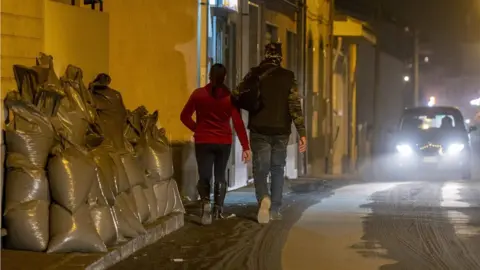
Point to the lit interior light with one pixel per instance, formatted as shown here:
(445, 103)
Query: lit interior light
(406, 78)
(431, 102)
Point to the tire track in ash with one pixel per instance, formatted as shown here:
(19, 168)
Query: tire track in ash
(410, 223)
(261, 248)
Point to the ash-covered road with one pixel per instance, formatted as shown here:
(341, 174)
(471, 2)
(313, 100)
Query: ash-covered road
(401, 225)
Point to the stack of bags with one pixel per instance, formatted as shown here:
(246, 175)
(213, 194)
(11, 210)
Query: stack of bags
(109, 170)
(72, 174)
(154, 153)
(29, 138)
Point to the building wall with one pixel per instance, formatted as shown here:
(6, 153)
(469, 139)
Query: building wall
(316, 92)
(21, 37)
(390, 93)
(153, 56)
(78, 37)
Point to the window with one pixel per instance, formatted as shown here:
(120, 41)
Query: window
(429, 121)
(291, 51)
(271, 34)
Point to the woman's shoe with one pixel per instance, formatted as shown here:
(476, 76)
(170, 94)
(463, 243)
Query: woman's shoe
(206, 213)
(219, 214)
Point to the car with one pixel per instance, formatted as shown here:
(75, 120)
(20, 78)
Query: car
(432, 140)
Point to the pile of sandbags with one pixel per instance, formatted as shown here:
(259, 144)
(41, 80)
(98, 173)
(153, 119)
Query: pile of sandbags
(109, 170)
(154, 153)
(72, 173)
(131, 205)
(29, 138)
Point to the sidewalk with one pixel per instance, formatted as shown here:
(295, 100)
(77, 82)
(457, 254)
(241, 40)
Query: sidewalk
(179, 245)
(238, 242)
(24, 260)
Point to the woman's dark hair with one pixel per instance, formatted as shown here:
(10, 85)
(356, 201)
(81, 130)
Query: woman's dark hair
(218, 72)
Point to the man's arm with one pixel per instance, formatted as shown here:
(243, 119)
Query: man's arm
(295, 109)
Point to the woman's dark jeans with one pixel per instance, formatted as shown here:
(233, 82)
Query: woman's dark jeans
(269, 156)
(212, 158)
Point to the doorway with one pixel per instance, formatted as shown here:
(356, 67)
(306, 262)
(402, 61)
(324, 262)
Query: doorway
(222, 33)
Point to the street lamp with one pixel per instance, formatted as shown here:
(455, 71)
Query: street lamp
(406, 78)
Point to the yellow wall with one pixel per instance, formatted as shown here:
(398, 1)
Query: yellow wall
(77, 36)
(317, 26)
(153, 56)
(21, 37)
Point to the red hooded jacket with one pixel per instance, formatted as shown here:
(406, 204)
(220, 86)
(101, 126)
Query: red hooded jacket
(213, 117)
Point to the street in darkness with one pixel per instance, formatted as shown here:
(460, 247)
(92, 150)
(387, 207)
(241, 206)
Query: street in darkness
(341, 225)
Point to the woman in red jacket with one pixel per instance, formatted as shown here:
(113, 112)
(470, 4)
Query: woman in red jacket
(213, 137)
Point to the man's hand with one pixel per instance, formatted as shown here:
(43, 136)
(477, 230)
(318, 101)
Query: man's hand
(302, 145)
(246, 156)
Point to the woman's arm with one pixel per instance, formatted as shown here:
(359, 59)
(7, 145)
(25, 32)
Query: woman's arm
(187, 113)
(240, 128)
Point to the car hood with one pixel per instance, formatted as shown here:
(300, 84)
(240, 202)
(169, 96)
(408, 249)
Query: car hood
(436, 137)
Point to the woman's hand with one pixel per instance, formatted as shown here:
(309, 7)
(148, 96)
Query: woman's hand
(246, 156)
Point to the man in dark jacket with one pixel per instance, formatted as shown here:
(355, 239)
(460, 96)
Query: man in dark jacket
(270, 130)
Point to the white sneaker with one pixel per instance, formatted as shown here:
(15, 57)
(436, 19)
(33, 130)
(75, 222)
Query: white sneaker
(263, 216)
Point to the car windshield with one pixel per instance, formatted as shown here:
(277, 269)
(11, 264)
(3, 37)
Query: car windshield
(429, 121)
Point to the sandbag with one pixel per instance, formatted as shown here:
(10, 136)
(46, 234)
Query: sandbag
(101, 156)
(102, 217)
(96, 195)
(73, 232)
(33, 145)
(176, 199)
(156, 157)
(121, 182)
(30, 132)
(133, 129)
(168, 198)
(71, 173)
(27, 225)
(138, 203)
(128, 225)
(27, 80)
(101, 193)
(23, 185)
(153, 150)
(73, 117)
(74, 77)
(151, 200)
(111, 110)
(135, 173)
(46, 70)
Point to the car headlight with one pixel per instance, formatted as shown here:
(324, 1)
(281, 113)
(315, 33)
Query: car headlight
(455, 148)
(404, 149)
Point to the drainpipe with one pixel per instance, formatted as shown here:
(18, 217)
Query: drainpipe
(353, 99)
(302, 160)
(329, 87)
(202, 45)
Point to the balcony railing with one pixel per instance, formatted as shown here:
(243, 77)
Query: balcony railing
(93, 3)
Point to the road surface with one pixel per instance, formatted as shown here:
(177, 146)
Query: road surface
(357, 225)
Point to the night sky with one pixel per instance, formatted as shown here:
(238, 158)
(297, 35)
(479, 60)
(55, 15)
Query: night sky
(443, 23)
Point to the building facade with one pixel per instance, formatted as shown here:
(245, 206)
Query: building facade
(158, 52)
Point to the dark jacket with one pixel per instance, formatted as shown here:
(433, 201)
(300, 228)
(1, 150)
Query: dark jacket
(280, 104)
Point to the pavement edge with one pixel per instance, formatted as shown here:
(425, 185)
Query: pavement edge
(154, 233)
